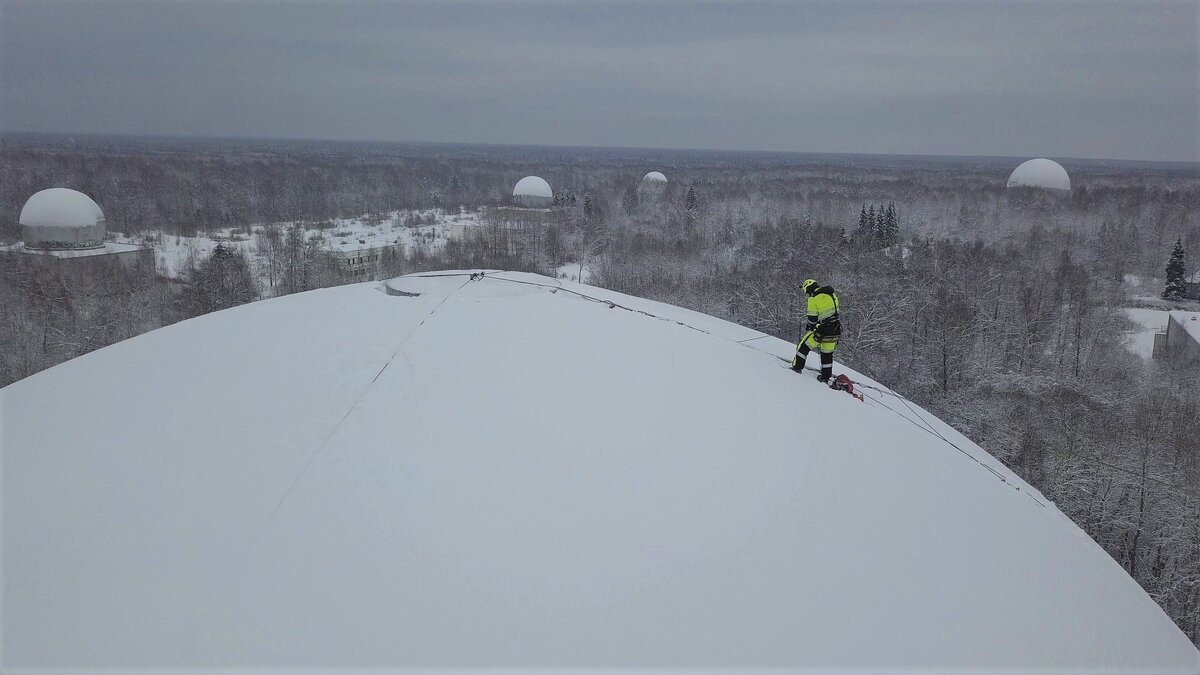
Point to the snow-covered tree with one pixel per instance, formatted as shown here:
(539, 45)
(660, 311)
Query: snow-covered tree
(863, 233)
(1176, 274)
(891, 227)
(220, 282)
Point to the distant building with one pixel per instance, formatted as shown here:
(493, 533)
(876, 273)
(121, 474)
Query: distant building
(522, 215)
(1043, 173)
(360, 260)
(1191, 289)
(533, 192)
(64, 228)
(1183, 335)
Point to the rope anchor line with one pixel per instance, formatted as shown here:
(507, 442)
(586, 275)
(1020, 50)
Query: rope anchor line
(923, 424)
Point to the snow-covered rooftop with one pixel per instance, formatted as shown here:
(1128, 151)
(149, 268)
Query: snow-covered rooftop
(533, 186)
(61, 207)
(1190, 321)
(107, 249)
(488, 474)
(654, 177)
(1040, 173)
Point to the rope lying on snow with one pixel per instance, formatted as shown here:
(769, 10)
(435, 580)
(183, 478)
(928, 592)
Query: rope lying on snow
(927, 427)
(922, 424)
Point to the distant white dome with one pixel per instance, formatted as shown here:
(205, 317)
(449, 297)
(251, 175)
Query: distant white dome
(61, 218)
(1041, 173)
(532, 186)
(654, 177)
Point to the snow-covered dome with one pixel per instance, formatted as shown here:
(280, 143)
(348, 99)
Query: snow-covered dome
(533, 191)
(654, 177)
(61, 218)
(1040, 173)
(408, 499)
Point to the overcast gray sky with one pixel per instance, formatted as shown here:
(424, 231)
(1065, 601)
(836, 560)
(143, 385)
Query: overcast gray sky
(1095, 79)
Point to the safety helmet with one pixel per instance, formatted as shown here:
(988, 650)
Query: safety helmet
(809, 286)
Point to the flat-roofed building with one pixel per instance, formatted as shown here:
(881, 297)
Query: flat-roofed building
(1183, 335)
(360, 260)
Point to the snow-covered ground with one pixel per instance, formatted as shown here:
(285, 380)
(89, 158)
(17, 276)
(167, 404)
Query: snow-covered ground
(501, 474)
(574, 272)
(174, 253)
(1150, 322)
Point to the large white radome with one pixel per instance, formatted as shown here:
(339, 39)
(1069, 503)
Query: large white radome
(533, 186)
(61, 218)
(654, 177)
(489, 475)
(61, 207)
(1040, 173)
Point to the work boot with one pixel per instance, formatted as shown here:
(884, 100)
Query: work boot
(798, 364)
(826, 367)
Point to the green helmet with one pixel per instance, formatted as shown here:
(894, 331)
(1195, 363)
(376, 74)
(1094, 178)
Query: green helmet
(809, 286)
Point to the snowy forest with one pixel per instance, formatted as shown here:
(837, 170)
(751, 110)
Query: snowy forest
(998, 310)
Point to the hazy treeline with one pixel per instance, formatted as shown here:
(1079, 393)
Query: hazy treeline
(47, 317)
(183, 187)
(996, 309)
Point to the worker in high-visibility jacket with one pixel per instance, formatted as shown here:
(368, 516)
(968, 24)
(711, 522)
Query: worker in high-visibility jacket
(822, 330)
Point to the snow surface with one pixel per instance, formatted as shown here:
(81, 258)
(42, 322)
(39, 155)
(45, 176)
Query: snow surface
(108, 249)
(494, 474)
(1150, 321)
(1190, 322)
(1041, 173)
(173, 253)
(574, 272)
(533, 186)
(654, 177)
(60, 207)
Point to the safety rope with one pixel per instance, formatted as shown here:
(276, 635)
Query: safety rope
(920, 422)
(611, 304)
(354, 405)
(325, 442)
(923, 424)
(926, 426)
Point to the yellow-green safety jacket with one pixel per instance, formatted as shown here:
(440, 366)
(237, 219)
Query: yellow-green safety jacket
(823, 313)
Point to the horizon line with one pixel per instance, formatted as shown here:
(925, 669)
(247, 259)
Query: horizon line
(546, 146)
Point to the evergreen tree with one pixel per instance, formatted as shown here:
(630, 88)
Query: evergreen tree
(589, 209)
(864, 225)
(891, 226)
(880, 228)
(221, 282)
(1176, 273)
(693, 205)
